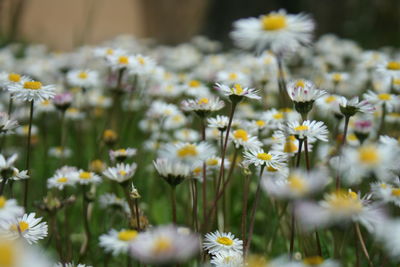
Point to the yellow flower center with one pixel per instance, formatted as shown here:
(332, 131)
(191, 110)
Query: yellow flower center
(188, 151)
(297, 183)
(82, 75)
(194, 83)
(121, 151)
(337, 77)
(3, 202)
(300, 83)
(232, 76)
(7, 254)
(368, 155)
(141, 61)
(271, 169)
(226, 241)
(384, 97)
(109, 134)
(197, 170)
(212, 162)
(396, 81)
(314, 260)
(62, 180)
(273, 22)
(241, 134)
(384, 186)
(122, 172)
(237, 89)
(13, 77)
(278, 116)
(396, 192)
(260, 123)
(85, 175)
(345, 202)
(393, 65)
(109, 51)
(352, 137)
(123, 60)
(33, 85)
(264, 156)
(330, 99)
(162, 245)
(301, 128)
(127, 235)
(21, 226)
(203, 101)
(289, 147)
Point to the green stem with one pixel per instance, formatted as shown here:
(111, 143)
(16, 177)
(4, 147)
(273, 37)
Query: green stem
(28, 153)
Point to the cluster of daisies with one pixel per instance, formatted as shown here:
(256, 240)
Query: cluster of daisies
(283, 153)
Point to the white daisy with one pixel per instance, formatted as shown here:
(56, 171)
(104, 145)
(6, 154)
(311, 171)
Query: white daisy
(9, 209)
(174, 172)
(352, 106)
(27, 227)
(259, 157)
(187, 152)
(121, 154)
(117, 242)
(277, 31)
(164, 245)
(120, 173)
(237, 92)
(232, 77)
(187, 135)
(227, 259)
(202, 106)
(83, 78)
(6, 123)
(84, 177)
(301, 91)
(313, 130)
(388, 100)
(241, 138)
(32, 91)
(219, 122)
(218, 242)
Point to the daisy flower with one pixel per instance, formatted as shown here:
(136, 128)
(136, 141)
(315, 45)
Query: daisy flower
(232, 77)
(202, 106)
(9, 209)
(118, 61)
(219, 122)
(237, 92)
(389, 101)
(122, 154)
(27, 227)
(60, 180)
(6, 123)
(141, 65)
(32, 91)
(361, 162)
(60, 152)
(352, 106)
(117, 242)
(299, 184)
(227, 259)
(258, 157)
(121, 173)
(386, 233)
(174, 172)
(9, 79)
(303, 93)
(312, 130)
(195, 88)
(164, 245)
(390, 68)
(114, 202)
(287, 144)
(187, 152)
(187, 135)
(15, 253)
(84, 177)
(338, 208)
(241, 138)
(83, 78)
(277, 31)
(63, 100)
(218, 242)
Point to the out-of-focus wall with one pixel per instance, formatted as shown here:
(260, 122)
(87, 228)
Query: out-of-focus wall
(63, 24)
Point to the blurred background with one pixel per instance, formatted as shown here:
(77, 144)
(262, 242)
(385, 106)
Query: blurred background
(63, 24)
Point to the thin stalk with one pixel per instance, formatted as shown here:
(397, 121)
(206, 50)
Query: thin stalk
(10, 105)
(132, 205)
(362, 243)
(306, 154)
(253, 210)
(382, 124)
(195, 219)
(3, 185)
(28, 154)
(244, 211)
(292, 231)
(85, 215)
(204, 185)
(346, 125)
(173, 203)
(299, 153)
(137, 213)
